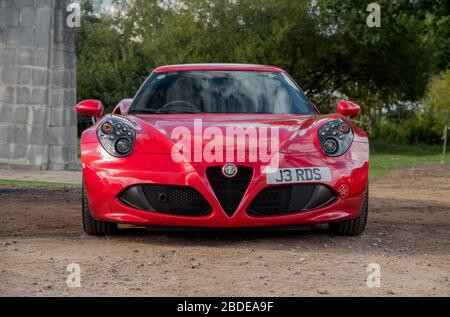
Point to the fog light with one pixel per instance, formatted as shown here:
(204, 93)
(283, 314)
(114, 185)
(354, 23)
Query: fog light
(123, 146)
(330, 146)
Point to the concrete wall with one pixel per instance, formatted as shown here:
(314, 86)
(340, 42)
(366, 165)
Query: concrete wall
(37, 86)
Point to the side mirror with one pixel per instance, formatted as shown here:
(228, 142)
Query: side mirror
(348, 109)
(90, 108)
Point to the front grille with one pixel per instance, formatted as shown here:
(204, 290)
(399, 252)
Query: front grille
(286, 199)
(229, 191)
(168, 199)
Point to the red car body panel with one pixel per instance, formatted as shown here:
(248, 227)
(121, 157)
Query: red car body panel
(150, 162)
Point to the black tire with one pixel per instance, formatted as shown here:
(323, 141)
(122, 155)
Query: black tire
(353, 227)
(92, 226)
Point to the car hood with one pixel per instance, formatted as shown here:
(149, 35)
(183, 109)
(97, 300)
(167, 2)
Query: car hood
(159, 133)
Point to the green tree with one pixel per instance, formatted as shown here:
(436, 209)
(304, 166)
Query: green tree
(328, 48)
(109, 66)
(438, 99)
(325, 45)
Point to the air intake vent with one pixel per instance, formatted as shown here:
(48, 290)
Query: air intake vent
(286, 199)
(229, 191)
(167, 199)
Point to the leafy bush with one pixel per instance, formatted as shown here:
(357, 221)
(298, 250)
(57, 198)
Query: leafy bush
(417, 128)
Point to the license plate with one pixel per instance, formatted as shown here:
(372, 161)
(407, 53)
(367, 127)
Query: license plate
(298, 175)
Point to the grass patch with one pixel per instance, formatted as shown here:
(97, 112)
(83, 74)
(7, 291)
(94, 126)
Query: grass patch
(384, 157)
(36, 184)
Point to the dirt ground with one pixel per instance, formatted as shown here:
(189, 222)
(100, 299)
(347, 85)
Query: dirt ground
(408, 235)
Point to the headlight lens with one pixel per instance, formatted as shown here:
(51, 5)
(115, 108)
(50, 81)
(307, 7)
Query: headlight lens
(123, 146)
(330, 146)
(335, 137)
(116, 136)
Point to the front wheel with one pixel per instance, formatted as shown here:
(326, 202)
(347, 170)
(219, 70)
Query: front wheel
(353, 227)
(92, 226)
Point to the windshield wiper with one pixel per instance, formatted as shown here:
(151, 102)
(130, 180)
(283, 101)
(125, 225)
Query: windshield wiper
(174, 111)
(142, 111)
(145, 111)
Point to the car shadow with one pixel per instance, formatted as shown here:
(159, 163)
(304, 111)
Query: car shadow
(224, 237)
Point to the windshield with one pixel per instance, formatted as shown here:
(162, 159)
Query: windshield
(220, 92)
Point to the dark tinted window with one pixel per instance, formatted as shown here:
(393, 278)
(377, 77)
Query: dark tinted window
(220, 92)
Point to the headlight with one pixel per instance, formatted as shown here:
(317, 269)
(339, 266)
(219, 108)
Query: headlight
(116, 136)
(335, 137)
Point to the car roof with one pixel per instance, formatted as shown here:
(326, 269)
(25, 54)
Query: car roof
(206, 67)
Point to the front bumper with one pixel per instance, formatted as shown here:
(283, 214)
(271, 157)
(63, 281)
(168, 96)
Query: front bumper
(107, 177)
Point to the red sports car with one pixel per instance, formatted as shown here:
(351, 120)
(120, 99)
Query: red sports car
(223, 146)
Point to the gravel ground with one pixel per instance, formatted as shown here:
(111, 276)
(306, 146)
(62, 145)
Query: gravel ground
(408, 235)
